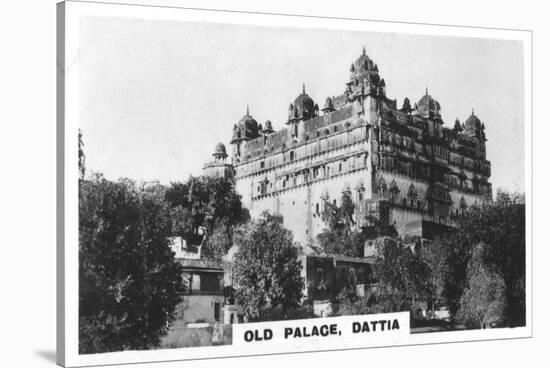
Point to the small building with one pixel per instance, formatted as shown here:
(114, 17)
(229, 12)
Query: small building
(203, 296)
(202, 283)
(327, 275)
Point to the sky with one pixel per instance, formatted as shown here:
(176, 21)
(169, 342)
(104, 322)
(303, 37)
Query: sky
(156, 96)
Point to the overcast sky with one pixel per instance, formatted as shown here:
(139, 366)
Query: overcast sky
(156, 96)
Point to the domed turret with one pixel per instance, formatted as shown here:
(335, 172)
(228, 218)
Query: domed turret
(473, 122)
(218, 168)
(329, 105)
(474, 128)
(428, 107)
(458, 127)
(219, 151)
(364, 78)
(363, 63)
(247, 128)
(303, 107)
(268, 127)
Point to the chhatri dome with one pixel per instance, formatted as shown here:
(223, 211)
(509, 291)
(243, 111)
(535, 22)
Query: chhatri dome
(246, 128)
(363, 63)
(220, 151)
(218, 167)
(428, 106)
(303, 107)
(248, 123)
(473, 127)
(428, 102)
(472, 123)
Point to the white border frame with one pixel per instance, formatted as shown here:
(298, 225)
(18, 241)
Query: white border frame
(69, 15)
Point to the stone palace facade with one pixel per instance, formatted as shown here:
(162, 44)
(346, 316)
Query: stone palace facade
(398, 164)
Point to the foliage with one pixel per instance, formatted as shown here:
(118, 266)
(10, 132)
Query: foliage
(211, 203)
(442, 269)
(500, 226)
(182, 223)
(339, 217)
(81, 156)
(447, 271)
(177, 194)
(482, 304)
(402, 275)
(266, 269)
(219, 242)
(280, 314)
(128, 279)
(505, 198)
(349, 304)
(340, 237)
(349, 244)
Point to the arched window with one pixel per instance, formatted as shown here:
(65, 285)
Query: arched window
(291, 155)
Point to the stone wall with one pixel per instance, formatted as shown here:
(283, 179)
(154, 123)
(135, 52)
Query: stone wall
(199, 308)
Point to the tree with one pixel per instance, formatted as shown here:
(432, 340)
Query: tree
(401, 274)
(482, 304)
(210, 203)
(349, 304)
(219, 241)
(128, 278)
(177, 194)
(81, 156)
(339, 217)
(266, 270)
(501, 227)
(341, 236)
(437, 256)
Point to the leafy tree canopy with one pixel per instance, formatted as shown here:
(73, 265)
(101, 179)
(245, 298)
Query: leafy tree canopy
(211, 203)
(340, 236)
(401, 274)
(128, 279)
(482, 303)
(500, 226)
(266, 269)
(81, 156)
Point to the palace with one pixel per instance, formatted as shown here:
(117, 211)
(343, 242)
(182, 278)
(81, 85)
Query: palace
(400, 165)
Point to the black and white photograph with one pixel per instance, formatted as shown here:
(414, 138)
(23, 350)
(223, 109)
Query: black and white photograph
(329, 180)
